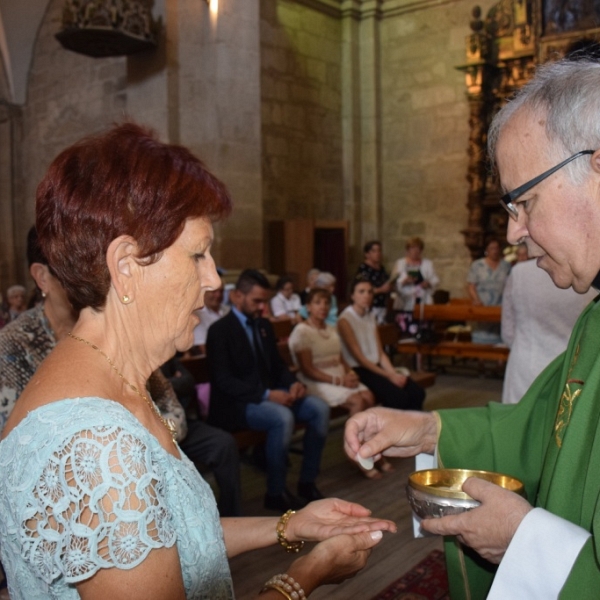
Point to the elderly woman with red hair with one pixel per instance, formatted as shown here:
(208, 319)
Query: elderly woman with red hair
(97, 500)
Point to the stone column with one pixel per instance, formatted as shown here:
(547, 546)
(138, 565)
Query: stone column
(214, 84)
(351, 130)
(361, 120)
(370, 116)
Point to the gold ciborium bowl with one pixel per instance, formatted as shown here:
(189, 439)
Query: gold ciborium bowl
(438, 492)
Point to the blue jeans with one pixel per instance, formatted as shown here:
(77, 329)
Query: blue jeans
(278, 421)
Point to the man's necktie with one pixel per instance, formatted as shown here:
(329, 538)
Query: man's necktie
(259, 352)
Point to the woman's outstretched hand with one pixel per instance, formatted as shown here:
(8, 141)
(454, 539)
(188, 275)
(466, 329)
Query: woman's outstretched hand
(330, 517)
(331, 561)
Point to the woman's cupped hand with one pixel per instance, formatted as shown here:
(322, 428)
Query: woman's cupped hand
(326, 518)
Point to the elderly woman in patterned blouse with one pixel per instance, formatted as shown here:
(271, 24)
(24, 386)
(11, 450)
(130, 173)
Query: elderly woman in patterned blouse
(97, 500)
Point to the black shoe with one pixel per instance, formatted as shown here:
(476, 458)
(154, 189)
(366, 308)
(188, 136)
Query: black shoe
(284, 501)
(309, 492)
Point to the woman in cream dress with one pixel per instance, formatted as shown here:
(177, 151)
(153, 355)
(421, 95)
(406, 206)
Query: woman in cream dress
(316, 350)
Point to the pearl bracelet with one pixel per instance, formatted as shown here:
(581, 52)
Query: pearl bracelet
(286, 585)
(280, 529)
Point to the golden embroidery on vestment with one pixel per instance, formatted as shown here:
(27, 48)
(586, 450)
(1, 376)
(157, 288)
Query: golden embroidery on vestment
(565, 407)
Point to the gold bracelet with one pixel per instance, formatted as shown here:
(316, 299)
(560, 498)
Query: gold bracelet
(280, 529)
(274, 586)
(286, 585)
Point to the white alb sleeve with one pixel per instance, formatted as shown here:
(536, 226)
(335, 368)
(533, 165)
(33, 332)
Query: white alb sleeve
(539, 558)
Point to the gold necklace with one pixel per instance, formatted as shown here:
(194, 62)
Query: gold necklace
(168, 423)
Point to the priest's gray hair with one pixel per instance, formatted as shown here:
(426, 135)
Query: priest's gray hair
(567, 94)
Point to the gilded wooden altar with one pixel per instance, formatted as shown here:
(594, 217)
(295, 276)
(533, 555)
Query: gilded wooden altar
(501, 54)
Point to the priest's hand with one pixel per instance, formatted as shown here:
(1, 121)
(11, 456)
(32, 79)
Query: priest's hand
(489, 528)
(390, 432)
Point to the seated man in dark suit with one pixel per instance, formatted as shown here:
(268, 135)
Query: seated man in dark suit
(211, 446)
(251, 387)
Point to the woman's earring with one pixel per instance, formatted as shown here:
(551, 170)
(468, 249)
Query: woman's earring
(125, 298)
(43, 294)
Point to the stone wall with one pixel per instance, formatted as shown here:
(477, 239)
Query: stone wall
(424, 124)
(301, 112)
(377, 104)
(215, 72)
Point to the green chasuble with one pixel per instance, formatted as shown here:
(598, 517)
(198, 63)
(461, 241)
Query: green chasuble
(551, 442)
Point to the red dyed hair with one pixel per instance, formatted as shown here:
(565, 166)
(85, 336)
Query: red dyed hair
(122, 182)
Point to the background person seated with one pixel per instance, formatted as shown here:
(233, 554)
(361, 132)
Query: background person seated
(362, 350)
(16, 300)
(285, 305)
(316, 350)
(311, 277)
(251, 387)
(209, 445)
(325, 281)
(25, 343)
(212, 311)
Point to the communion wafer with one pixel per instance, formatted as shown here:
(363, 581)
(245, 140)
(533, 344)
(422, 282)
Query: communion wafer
(365, 463)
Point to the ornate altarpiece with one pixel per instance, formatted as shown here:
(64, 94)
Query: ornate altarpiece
(502, 52)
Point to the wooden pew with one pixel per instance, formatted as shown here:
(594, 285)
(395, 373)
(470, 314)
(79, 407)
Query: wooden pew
(461, 310)
(282, 329)
(455, 349)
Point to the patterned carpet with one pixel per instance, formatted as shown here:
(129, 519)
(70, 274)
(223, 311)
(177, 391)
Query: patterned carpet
(425, 581)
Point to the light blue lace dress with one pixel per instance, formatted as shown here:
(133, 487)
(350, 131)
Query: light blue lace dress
(85, 487)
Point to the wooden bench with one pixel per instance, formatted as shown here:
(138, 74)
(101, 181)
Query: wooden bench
(457, 349)
(458, 311)
(282, 329)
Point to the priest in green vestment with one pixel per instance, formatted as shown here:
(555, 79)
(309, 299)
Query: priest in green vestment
(546, 146)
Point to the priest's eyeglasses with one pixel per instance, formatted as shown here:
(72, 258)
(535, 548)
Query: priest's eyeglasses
(507, 201)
